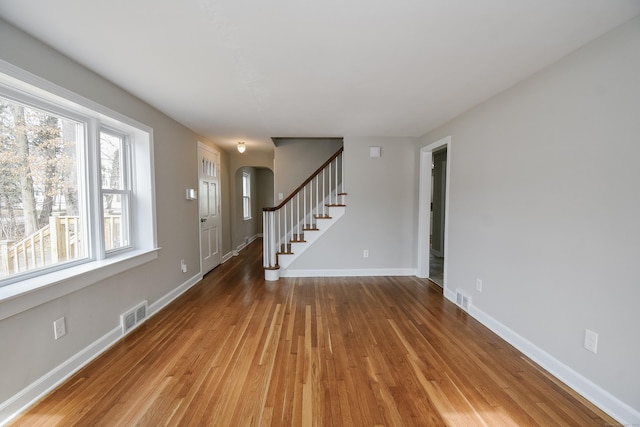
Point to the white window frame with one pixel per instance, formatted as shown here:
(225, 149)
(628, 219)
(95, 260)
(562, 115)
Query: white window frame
(30, 290)
(125, 192)
(246, 198)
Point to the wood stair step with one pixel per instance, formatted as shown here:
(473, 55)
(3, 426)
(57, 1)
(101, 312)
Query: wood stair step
(297, 238)
(335, 205)
(322, 216)
(310, 227)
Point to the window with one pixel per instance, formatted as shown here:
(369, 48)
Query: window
(116, 193)
(246, 195)
(70, 192)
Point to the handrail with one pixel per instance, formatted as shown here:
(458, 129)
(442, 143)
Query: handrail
(308, 180)
(287, 223)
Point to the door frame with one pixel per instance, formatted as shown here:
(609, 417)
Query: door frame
(204, 147)
(424, 208)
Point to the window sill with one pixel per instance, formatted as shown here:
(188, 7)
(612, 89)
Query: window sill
(21, 296)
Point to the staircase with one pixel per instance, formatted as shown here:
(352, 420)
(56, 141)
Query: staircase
(296, 223)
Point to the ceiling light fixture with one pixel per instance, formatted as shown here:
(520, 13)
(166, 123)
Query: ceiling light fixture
(241, 147)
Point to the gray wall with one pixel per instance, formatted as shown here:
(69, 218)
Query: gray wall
(297, 159)
(264, 196)
(545, 209)
(29, 350)
(381, 208)
(256, 161)
(261, 186)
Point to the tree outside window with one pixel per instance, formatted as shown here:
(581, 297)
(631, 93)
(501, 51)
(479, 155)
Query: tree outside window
(40, 220)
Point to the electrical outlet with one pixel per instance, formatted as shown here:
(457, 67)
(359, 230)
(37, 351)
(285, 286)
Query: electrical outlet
(479, 285)
(183, 266)
(591, 341)
(365, 253)
(59, 328)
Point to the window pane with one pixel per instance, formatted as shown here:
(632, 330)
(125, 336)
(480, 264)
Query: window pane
(115, 197)
(246, 208)
(111, 161)
(115, 228)
(40, 218)
(245, 185)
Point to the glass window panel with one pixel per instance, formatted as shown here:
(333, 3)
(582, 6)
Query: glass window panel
(112, 161)
(40, 214)
(115, 225)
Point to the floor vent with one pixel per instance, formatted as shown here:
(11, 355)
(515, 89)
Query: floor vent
(463, 300)
(133, 317)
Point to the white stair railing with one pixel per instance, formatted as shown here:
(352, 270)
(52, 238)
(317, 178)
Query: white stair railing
(287, 222)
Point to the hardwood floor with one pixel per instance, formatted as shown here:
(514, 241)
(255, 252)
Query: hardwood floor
(238, 351)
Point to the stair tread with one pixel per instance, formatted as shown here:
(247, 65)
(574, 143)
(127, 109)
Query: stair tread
(335, 205)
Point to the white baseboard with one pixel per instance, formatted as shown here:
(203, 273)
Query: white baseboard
(623, 413)
(226, 257)
(349, 272)
(246, 243)
(165, 300)
(35, 391)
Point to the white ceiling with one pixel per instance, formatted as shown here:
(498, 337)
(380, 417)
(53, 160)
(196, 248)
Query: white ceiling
(250, 70)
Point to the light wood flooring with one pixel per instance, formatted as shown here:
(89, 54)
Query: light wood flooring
(238, 351)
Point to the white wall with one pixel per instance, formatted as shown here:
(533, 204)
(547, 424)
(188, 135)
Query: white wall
(380, 210)
(29, 350)
(545, 209)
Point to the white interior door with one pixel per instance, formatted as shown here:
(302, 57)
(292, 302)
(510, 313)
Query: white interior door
(209, 207)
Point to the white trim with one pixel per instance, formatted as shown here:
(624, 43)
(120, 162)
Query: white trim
(370, 272)
(226, 257)
(622, 412)
(70, 98)
(424, 202)
(172, 295)
(22, 400)
(24, 295)
(241, 246)
(39, 287)
(200, 149)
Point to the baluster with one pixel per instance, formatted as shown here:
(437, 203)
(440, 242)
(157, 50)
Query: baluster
(272, 249)
(265, 240)
(330, 175)
(277, 235)
(284, 239)
(297, 215)
(342, 172)
(24, 257)
(41, 248)
(324, 192)
(32, 250)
